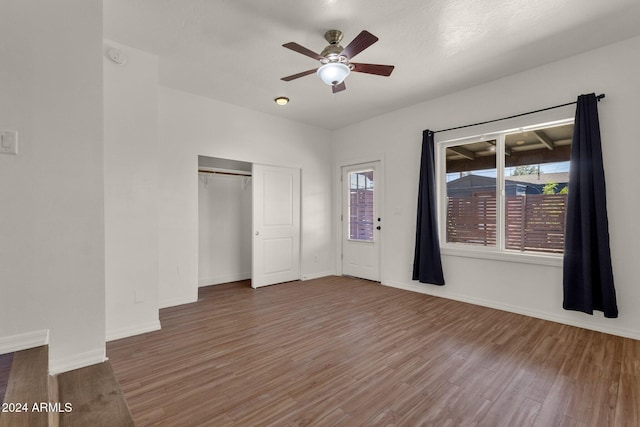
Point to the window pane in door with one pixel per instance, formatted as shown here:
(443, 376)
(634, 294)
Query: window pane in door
(361, 205)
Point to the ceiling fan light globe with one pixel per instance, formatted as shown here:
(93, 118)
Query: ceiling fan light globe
(333, 73)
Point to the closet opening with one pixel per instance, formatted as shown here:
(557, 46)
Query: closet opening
(224, 221)
(248, 222)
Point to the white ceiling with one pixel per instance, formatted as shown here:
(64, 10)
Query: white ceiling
(231, 50)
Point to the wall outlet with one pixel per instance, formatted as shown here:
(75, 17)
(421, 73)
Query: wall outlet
(8, 142)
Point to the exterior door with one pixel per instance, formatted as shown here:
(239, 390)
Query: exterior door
(276, 225)
(361, 222)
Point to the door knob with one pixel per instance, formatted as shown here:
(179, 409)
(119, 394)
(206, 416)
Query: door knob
(378, 228)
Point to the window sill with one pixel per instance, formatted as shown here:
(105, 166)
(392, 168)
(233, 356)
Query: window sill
(528, 258)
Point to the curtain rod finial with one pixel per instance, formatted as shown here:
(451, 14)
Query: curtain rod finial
(599, 97)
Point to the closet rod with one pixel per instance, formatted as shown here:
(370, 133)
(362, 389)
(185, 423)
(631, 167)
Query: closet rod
(599, 97)
(224, 173)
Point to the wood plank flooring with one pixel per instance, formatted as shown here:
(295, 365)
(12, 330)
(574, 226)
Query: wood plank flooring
(348, 352)
(95, 398)
(28, 384)
(5, 368)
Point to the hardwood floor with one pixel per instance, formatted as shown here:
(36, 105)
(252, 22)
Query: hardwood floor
(28, 384)
(348, 352)
(95, 396)
(5, 368)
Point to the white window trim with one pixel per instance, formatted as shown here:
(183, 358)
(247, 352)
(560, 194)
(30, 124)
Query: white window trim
(490, 253)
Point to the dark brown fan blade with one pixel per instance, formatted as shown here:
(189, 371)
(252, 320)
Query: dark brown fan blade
(379, 70)
(339, 87)
(303, 50)
(297, 76)
(360, 43)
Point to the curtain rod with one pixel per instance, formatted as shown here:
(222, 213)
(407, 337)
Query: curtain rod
(599, 97)
(224, 173)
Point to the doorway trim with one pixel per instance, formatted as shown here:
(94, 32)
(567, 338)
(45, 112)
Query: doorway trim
(338, 208)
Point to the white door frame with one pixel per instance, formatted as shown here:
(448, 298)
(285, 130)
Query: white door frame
(338, 201)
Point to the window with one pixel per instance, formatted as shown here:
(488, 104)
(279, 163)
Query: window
(361, 205)
(506, 192)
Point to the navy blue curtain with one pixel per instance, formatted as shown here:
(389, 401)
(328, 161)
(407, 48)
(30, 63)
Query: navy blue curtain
(427, 265)
(587, 271)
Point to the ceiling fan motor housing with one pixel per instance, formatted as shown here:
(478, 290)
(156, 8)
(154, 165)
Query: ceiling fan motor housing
(333, 50)
(333, 36)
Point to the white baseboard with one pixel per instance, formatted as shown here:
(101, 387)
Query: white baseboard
(130, 331)
(218, 280)
(226, 278)
(24, 341)
(424, 289)
(77, 361)
(177, 301)
(318, 275)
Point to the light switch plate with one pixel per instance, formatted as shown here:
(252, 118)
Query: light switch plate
(8, 142)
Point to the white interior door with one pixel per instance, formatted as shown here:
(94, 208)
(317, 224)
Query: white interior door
(276, 225)
(361, 222)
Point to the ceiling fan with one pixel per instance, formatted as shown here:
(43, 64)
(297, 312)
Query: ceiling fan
(336, 60)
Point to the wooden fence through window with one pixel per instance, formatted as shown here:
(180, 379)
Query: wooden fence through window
(534, 222)
(361, 214)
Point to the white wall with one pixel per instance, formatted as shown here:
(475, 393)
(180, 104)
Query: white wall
(224, 228)
(191, 125)
(530, 289)
(51, 193)
(131, 192)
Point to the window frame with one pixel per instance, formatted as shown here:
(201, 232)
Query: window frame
(488, 252)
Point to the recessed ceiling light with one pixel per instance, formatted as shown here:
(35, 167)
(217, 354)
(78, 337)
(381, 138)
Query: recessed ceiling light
(282, 100)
